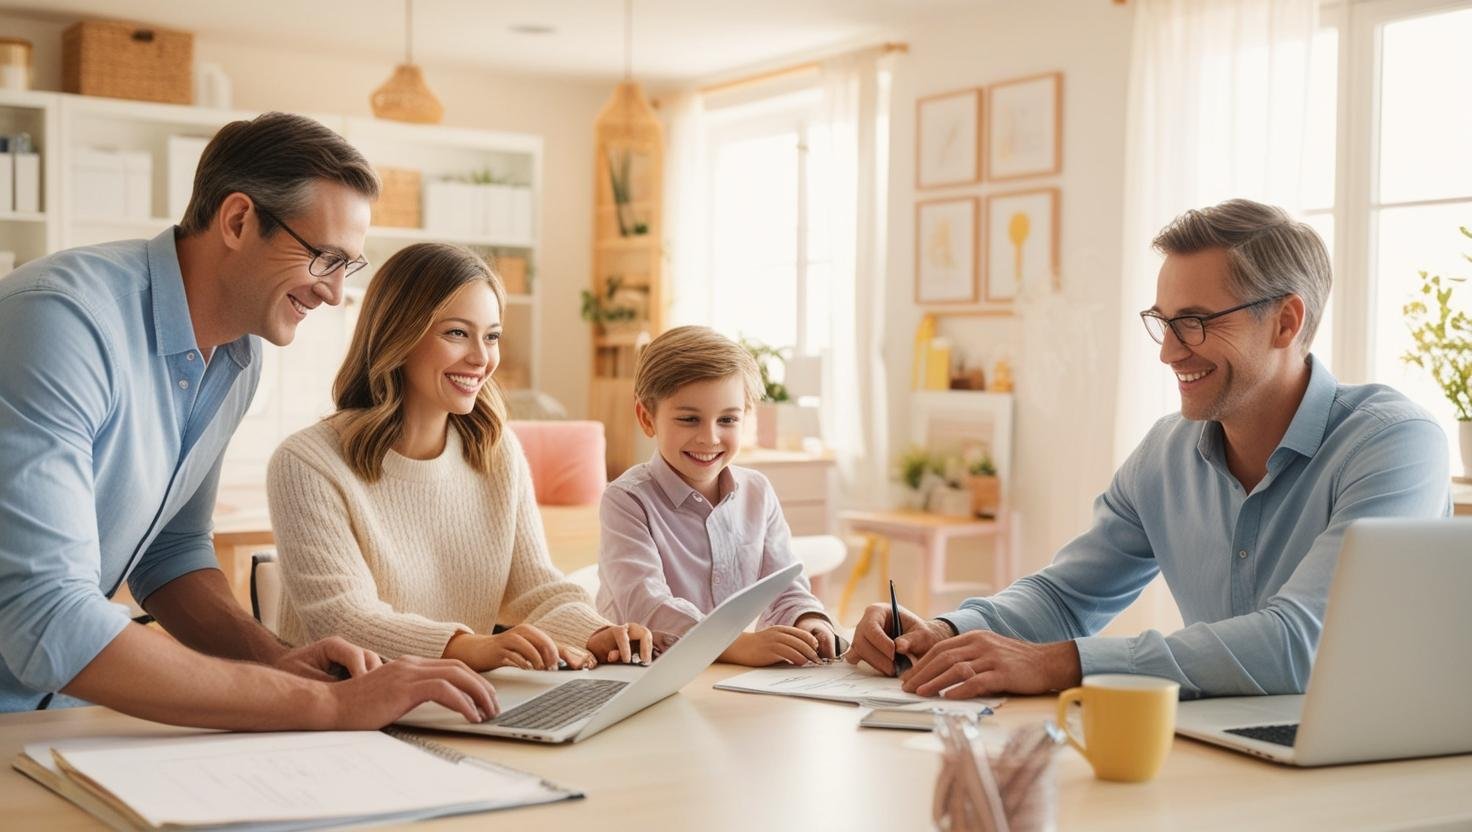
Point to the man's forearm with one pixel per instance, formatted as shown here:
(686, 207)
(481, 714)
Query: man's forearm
(146, 674)
(198, 609)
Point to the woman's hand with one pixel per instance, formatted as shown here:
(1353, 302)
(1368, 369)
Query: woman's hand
(774, 645)
(522, 646)
(614, 643)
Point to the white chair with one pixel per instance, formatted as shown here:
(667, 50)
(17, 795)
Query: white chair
(265, 589)
(587, 578)
(819, 555)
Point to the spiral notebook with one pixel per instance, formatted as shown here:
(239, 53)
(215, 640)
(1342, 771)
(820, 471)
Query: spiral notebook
(279, 781)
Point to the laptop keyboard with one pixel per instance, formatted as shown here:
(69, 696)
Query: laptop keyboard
(563, 705)
(1276, 734)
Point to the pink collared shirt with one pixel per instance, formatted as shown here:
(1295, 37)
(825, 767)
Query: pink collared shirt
(668, 557)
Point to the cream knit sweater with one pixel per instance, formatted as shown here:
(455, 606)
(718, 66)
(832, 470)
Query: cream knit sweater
(431, 549)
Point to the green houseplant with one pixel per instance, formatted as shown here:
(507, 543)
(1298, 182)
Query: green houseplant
(602, 312)
(1441, 343)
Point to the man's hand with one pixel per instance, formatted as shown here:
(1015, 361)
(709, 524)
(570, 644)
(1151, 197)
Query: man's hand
(821, 629)
(773, 645)
(316, 660)
(981, 662)
(872, 643)
(378, 697)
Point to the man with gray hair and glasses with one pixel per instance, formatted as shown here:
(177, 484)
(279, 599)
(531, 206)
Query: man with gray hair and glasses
(1239, 501)
(124, 369)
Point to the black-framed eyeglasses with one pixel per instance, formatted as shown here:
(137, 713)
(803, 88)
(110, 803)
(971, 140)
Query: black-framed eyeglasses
(324, 262)
(1191, 329)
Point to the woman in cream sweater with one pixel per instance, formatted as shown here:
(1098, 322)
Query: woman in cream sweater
(406, 521)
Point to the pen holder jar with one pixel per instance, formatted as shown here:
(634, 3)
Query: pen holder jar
(1011, 791)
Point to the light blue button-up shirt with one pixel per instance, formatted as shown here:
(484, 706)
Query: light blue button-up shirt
(1249, 571)
(112, 428)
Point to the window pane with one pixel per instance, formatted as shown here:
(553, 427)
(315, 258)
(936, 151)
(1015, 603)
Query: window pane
(1411, 240)
(1321, 127)
(754, 238)
(1323, 343)
(1425, 123)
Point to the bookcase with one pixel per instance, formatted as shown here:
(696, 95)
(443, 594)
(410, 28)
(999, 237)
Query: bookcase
(627, 262)
(153, 142)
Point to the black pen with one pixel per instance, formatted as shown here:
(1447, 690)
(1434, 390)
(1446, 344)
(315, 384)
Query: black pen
(901, 661)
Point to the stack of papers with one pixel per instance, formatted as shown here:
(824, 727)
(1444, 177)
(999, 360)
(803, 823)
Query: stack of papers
(890, 706)
(281, 781)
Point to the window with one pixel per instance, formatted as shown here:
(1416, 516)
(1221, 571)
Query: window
(1404, 183)
(770, 259)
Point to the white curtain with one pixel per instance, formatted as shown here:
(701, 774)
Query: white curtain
(856, 100)
(1217, 103)
(686, 208)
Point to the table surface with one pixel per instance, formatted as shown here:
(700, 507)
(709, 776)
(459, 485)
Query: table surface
(915, 520)
(711, 759)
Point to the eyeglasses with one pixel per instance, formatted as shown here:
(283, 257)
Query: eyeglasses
(324, 263)
(1191, 329)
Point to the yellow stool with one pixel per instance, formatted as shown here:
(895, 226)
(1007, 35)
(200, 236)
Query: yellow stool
(873, 544)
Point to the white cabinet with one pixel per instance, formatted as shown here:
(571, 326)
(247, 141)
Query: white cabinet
(803, 484)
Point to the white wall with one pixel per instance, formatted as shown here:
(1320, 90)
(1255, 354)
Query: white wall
(1064, 349)
(562, 112)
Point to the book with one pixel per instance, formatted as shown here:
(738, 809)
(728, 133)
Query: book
(276, 781)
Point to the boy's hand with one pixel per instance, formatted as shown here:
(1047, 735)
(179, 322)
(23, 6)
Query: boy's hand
(615, 644)
(822, 629)
(774, 645)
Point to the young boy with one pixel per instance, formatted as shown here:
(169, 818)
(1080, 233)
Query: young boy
(686, 530)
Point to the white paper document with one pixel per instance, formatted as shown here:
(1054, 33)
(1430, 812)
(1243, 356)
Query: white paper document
(290, 780)
(833, 681)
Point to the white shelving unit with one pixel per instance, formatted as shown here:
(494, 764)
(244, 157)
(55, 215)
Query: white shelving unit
(296, 383)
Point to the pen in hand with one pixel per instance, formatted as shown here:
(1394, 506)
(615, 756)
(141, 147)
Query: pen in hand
(901, 661)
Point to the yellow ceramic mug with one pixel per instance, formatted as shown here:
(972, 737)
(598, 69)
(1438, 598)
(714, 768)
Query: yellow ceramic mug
(1129, 722)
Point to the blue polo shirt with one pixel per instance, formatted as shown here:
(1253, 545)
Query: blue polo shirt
(112, 431)
(1250, 571)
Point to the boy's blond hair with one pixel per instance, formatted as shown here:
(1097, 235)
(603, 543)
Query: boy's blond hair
(690, 354)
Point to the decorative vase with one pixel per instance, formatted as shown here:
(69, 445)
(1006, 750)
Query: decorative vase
(1464, 430)
(986, 494)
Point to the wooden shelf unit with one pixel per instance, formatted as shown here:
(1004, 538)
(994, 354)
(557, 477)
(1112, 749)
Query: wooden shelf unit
(627, 246)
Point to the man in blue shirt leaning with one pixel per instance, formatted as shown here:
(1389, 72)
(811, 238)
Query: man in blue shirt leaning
(124, 370)
(1239, 501)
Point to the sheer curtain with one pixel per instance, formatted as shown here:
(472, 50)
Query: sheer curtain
(856, 101)
(1219, 90)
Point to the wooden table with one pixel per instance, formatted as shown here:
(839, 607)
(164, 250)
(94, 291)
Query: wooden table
(933, 533)
(1462, 496)
(708, 759)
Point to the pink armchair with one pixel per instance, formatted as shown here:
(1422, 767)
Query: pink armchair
(566, 458)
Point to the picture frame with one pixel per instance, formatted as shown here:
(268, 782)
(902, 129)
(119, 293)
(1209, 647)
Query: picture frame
(1024, 119)
(1021, 233)
(946, 250)
(948, 139)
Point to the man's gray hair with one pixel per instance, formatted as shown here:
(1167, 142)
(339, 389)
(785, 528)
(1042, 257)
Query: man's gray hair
(1268, 254)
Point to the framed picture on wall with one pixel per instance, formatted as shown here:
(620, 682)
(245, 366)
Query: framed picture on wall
(1021, 243)
(1024, 120)
(946, 250)
(948, 139)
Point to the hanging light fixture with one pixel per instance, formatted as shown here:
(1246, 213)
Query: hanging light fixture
(405, 96)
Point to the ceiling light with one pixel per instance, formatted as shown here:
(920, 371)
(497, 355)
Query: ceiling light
(405, 96)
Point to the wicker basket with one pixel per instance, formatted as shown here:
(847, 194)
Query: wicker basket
(122, 60)
(399, 198)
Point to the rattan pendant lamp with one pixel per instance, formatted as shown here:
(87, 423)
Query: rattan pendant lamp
(405, 96)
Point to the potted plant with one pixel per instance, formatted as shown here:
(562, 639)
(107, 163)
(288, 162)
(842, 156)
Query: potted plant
(619, 176)
(985, 487)
(1441, 336)
(605, 313)
(949, 496)
(919, 472)
(780, 421)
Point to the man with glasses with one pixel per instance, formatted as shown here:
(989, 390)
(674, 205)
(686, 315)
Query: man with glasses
(1239, 501)
(124, 370)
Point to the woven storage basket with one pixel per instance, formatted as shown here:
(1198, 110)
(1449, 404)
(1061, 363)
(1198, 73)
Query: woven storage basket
(123, 60)
(399, 198)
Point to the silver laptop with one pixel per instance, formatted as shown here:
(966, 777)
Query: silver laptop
(1393, 672)
(569, 706)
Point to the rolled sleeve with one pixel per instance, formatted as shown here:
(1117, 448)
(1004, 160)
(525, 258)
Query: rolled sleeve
(184, 545)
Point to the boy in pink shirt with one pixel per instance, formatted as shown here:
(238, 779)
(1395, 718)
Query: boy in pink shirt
(686, 530)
